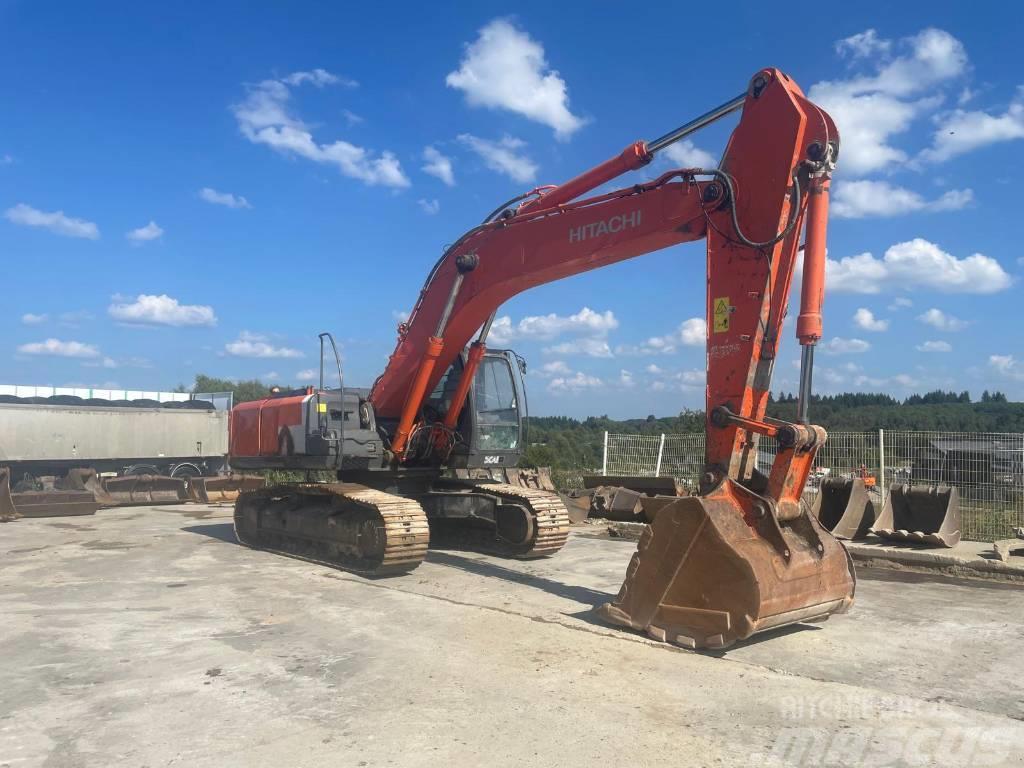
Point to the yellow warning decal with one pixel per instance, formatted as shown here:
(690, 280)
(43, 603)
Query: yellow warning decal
(321, 407)
(721, 315)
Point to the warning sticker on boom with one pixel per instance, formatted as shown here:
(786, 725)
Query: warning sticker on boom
(721, 315)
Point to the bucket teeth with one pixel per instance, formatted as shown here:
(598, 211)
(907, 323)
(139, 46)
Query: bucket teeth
(921, 514)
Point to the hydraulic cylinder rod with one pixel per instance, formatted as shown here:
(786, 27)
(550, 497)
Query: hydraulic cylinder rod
(812, 294)
(634, 156)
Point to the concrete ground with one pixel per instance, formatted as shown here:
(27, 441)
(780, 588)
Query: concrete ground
(148, 637)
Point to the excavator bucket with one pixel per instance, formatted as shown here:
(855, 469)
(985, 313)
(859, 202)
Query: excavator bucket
(577, 503)
(86, 480)
(844, 507)
(715, 569)
(145, 489)
(615, 503)
(7, 511)
(42, 497)
(211, 490)
(652, 486)
(921, 514)
(54, 503)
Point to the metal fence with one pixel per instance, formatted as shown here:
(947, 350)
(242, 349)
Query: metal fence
(986, 468)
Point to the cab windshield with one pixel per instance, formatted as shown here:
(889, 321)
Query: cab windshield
(497, 410)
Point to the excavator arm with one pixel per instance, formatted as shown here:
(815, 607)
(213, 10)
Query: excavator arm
(745, 555)
(750, 211)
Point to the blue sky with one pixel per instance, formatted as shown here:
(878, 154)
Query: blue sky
(203, 187)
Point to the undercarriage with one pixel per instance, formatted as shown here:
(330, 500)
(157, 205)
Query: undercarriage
(386, 530)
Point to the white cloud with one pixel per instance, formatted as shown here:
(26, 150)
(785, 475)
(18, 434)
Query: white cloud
(900, 302)
(129, 362)
(505, 69)
(936, 318)
(1007, 365)
(151, 231)
(55, 221)
(961, 131)
(684, 381)
(552, 325)
(935, 346)
(905, 380)
(30, 319)
(690, 333)
(687, 155)
(588, 347)
(223, 198)
(161, 310)
(916, 263)
(319, 78)
(307, 375)
(351, 117)
(579, 381)
(429, 207)
(840, 346)
(438, 165)
(255, 345)
(870, 110)
(862, 199)
(692, 378)
(503, 156)
(555, 368)
(544, 327)
(263, 118)
(590, 325)
(865, 319)
(58, 348)
(502, 333)
(626, 379)
(863, 45)
(400, 315)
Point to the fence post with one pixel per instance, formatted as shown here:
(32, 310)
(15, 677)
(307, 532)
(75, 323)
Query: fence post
(604, 461)
(881, 463)
(661, 450)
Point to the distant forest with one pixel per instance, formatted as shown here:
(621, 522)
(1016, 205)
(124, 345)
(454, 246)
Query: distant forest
(564, 442)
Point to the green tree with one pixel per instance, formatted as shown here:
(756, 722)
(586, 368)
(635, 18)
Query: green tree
(244, 391)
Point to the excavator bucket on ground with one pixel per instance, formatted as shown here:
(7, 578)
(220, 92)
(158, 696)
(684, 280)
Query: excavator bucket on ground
(211, 490)
(86, 480)
(921, 514)
(660, 486)
(42, 497)
(145, 489)
(844, 507)
(7, 511)
(54, 503)
(616, 503)
(718, 568)
(577, 503)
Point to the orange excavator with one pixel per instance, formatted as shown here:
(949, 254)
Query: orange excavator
(742, 556)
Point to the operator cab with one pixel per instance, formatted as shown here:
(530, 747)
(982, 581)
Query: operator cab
(490, 427)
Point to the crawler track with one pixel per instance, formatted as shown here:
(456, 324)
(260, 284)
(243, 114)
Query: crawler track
(344, 525)
(547, 531)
